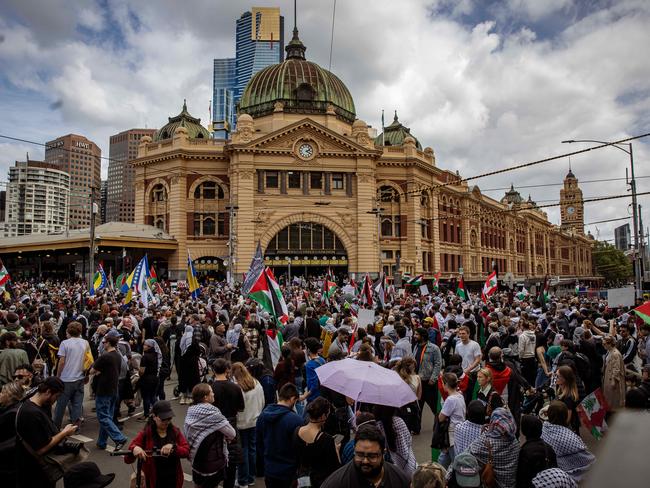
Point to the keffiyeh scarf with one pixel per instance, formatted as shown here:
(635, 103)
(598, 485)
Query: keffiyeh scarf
(201, 421)
(573, 457)
(553, 478)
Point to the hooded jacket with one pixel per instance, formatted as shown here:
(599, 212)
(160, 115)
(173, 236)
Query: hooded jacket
(527, 344)
(275, 427)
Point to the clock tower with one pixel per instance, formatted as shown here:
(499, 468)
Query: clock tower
(572, 208)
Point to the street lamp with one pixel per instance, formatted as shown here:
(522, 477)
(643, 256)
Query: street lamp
(637, 263)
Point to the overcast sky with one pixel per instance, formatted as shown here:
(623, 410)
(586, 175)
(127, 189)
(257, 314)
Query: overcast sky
(486, 84)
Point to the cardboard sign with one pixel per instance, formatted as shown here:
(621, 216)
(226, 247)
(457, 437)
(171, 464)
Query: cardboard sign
(366, 317)
(424, 290)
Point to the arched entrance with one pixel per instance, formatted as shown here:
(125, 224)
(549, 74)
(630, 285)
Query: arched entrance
(306, 249)
(210, 268)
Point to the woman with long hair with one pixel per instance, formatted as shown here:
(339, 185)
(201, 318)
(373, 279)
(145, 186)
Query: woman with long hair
(453, 409)
(410, 413)
(614, 375)
(162, 439)
(285, 370)
(188, 375)
(246, 422)
(317, 453)
(208, 433)
(567, 393)
(399, 441)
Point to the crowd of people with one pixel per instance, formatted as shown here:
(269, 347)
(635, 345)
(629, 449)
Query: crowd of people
(503, 381)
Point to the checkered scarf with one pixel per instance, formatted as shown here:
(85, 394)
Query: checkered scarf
(573, 457)
(553, 478)
(202, 420)
(465, 433)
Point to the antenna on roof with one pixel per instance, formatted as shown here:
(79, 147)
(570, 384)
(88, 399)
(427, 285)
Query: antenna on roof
(569, 163)
(295, 23)
(332, 38)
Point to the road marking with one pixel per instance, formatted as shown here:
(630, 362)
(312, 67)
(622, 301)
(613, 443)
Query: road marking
(81, 438)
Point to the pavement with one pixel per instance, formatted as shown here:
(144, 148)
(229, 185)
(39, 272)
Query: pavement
(114, 464)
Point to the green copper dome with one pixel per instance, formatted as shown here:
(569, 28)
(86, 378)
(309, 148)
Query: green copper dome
(394, 135)
(193, 125)
(300, 85)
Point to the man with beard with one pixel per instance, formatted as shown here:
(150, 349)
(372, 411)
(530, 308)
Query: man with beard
(368, 468)
(37, 431)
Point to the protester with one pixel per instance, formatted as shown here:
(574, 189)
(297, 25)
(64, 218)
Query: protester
(464, 472)
(10, 356)
(188, 372)
(567, 393)
(428, 365)
(161, 446)
(275, 429)
(368, 467)
(208, 433)
(470, 429)
(613, 375)
(150, 365)
(429, 475)
(399, 442)
(453, 409)
(535, 454)
(86, 475)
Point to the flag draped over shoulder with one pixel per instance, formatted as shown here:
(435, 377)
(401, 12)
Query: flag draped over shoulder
(490, 286)
(4, 276)
(266, 292)
(192, 282)
(100, 281)
(461, 291)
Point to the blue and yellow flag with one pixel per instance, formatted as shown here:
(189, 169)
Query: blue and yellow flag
(192, 282)
(99, 281)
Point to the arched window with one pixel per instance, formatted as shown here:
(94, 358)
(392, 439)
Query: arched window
(388, 194)
(158, 193)
(209, 190)
(160, 223)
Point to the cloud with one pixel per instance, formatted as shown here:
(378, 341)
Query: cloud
(486, 84)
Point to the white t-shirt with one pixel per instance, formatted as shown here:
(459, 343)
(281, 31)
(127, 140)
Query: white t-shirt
(74, 351)
(454, 409)
(469, 352)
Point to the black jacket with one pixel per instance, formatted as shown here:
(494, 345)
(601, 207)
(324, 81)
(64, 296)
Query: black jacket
(347, 476)
(535, 456)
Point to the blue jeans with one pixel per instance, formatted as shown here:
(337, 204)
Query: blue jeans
(447, 457)
(73, 395)
(105, 406)
(246, 470)
(541, 377)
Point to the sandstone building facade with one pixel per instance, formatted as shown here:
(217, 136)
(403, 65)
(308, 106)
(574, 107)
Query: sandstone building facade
(309, 181)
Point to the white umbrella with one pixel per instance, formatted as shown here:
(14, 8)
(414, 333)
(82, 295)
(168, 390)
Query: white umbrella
(364, 381)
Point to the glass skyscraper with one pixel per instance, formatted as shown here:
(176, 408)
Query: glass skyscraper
(259, 43)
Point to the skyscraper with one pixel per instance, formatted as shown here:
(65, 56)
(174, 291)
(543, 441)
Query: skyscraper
(622, 237)
(37, 199)
(103, 194)
(120, 192)
(81, 159)
(259, 43)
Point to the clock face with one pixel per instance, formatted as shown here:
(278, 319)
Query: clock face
(306, 151)
(570, 210)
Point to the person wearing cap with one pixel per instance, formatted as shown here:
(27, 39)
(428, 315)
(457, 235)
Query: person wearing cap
(86, 475)
(10, 357)
(464, 472)
(162, 439)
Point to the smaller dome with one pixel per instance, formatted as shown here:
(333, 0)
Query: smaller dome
(570, 175)
(359, 123)
(191, 124)
(395, 135)
(512, 196)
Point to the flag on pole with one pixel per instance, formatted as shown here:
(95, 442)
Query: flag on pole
(192, 282)
(266, 292)
(153, 281)
(127, 283)
(490, 286)
(100, 281)
(543, 292)
(255, 270)
(4, 276)
(436, 282)
(380, 289)
(415, 281)
(592, 412)
(523, 293)
(120, 280)
(642, 311)
(461, 291)
(329, 288)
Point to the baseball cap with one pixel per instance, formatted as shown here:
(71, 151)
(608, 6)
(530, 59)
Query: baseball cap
(162, 409)
(465, 466)
(86, 475)
(113, 333)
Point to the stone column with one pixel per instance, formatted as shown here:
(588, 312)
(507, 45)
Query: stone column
(366, 255)
(413, 229)
(178, 225)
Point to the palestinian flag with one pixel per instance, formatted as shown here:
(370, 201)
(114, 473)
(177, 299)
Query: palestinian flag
(523, 293)
(366, 291)
(380, 289)
(267, 293)
(415, 281)
(436, 282)
(329, 288)
(490, 286)
(461, 291)
(4, 276)
(153, 281)
(543, 292)
(577, 289)
(592, 412)
(643, 312)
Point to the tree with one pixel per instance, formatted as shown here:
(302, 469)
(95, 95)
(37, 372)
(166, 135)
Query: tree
(612, 263)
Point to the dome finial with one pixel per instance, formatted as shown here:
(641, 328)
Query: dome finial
(295, 49)
(184, 105)
(395, 118)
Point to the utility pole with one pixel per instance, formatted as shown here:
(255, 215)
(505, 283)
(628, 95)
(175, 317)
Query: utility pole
(638, 281)
(231, 237)
(91, 248)
(377, 211)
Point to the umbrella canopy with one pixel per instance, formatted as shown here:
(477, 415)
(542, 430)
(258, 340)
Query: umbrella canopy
(643, 311)
(364, 381)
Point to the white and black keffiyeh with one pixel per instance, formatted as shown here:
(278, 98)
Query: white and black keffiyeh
(465, 433)
(573, 457)
(553, 478)
(202, 420)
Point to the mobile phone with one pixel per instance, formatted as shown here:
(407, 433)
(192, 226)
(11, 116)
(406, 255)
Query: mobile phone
(77, 423)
